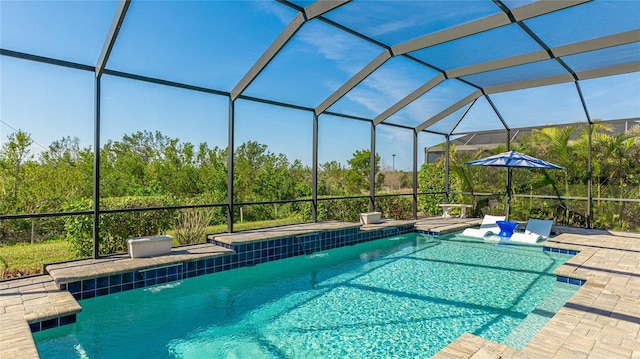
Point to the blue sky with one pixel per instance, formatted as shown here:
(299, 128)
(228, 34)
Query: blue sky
(214, 43)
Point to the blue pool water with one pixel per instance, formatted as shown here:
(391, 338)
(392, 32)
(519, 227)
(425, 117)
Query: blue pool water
(405, 296)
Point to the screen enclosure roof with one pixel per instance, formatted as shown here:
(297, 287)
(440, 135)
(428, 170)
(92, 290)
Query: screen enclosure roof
(446, 67)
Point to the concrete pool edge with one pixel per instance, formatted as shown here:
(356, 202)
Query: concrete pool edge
(25, 302)
(16, 340)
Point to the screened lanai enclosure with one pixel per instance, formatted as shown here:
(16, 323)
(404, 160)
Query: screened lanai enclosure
(129, 118)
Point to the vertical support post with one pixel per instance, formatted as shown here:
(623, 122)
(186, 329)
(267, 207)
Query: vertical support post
(415, 174)
(372, 169)
(589, 179)
(508, 197)
(230, 162)
(589, 164)
(314, 171)
(446, 169)
(96, 169)
(114, 29)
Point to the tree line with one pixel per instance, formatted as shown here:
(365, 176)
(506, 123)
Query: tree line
(151, 169)
(152, 165)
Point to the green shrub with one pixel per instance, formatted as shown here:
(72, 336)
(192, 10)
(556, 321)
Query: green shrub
(30, 230)
(15, 231)
(395, 207)
(346, 210)
(431, 180)
(349, 209)
(115, 228)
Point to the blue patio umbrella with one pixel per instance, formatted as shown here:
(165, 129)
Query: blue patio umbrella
(513, 159)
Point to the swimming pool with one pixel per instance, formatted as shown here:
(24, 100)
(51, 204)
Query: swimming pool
(404, 296)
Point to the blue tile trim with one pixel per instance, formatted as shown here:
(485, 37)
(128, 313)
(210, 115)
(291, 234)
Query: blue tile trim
(52, 323)
(69, 319)
(569, 280)
(560, 250)
(88, 284)
(74, 287)
(102, 282)
(35, 327)
(88, 294)
(127, 278)
(115, 280)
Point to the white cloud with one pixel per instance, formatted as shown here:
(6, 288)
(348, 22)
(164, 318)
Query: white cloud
(334, 46)
(347, 52)
(367, 98)
(421, 109)
(383, 88)
(391, 27)
(394, 134)
(379, 18)
(271, 7)
(392, 84)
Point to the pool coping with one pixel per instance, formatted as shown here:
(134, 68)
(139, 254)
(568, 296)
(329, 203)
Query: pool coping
(265, 234)
(467, 346)
(67, 272)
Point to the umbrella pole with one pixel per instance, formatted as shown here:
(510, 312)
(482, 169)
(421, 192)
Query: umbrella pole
(508, 202)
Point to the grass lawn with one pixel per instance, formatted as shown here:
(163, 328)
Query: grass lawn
(32, 256)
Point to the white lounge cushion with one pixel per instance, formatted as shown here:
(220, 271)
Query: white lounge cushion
(525, 237)
(537, 230)
(488, 227)
(479, 233)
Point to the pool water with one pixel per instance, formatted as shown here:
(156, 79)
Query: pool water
(405, 296)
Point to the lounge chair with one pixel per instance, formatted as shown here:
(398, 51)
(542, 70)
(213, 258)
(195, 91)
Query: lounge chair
(488, 227)
(537, 230)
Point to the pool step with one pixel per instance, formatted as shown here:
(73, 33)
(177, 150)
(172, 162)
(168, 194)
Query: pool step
(538, 318)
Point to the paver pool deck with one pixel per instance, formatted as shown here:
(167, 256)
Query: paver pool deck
(602, 320)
